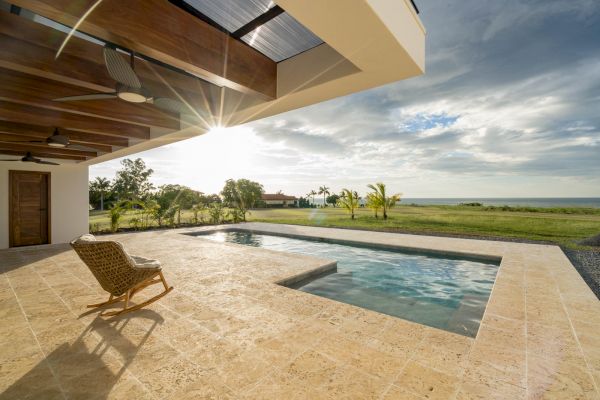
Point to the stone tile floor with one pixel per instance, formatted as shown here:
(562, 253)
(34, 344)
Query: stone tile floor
(228, 331)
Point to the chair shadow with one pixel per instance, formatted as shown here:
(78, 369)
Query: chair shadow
(12, 259)
(88, 375)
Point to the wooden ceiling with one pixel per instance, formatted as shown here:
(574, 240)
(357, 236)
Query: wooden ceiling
(31, 75)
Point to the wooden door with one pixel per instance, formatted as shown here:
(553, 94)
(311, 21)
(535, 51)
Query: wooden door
(29, 208)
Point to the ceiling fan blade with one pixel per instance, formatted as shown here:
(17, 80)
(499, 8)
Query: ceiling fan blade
(171, 105)
(8, 160)
(25, 141)
(94, 96)
(119, 69)
(45, 162)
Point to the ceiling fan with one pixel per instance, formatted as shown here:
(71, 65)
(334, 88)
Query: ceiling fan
(57, 140)
(128, 87)
(30, 158)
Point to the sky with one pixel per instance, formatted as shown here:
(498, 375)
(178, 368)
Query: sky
(509, 106)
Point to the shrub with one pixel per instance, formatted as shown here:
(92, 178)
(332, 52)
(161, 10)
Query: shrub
(216, 213)
(135, 223)
(115, 217)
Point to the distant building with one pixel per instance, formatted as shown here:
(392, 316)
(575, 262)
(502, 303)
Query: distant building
(279, 200)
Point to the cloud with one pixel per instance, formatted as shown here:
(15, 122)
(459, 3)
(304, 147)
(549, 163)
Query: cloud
(509, 104)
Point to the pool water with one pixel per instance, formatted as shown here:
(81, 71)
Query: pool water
(443, 292)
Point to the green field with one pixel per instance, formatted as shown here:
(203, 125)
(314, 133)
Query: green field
(561, 226)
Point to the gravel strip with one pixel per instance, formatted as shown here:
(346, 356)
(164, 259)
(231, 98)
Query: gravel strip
(587, 263)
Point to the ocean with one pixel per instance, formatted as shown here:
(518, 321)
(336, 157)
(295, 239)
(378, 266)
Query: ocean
(516, 201)
(500, 201)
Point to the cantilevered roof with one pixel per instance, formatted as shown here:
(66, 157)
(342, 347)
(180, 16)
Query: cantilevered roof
(222, 62)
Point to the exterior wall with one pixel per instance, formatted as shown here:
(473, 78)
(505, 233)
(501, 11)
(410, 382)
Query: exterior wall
(274, 202)
(281, 203)
(69, 204)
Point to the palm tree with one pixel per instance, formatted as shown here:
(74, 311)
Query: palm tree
(101, 185)
(349, 200)
(381, 197)
(312, 194)
(373, 203)
(324, 190)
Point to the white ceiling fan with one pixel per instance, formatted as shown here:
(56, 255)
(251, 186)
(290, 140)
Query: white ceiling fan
(128, 87)
(58, 140)
(30, 158)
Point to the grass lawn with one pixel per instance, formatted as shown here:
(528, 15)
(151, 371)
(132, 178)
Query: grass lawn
(565, 227)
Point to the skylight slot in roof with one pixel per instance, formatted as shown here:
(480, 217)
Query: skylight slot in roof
(281, 38)
(231, 14)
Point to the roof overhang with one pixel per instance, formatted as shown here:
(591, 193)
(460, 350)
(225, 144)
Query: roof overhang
(224, 81)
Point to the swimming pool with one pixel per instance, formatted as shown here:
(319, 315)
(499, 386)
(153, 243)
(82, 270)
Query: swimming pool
(444, 292)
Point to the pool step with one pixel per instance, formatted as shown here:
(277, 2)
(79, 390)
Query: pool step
(466, 318)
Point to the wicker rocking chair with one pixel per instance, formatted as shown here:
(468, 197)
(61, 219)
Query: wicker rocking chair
(120, 274)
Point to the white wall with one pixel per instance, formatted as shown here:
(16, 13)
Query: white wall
(68, 199)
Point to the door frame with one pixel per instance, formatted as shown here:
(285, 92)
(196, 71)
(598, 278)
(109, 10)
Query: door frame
(11, 175)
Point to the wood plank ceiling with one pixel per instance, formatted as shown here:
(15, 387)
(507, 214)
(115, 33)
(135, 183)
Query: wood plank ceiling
(31, 75)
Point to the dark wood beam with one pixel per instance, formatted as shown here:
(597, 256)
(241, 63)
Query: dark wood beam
(36, 60)
(30, 48)
(35, 91)
(42, 132)
(26, 114)
(258, 21)
(17, 138)
(43, 148)
(40, 154)
(161, 31)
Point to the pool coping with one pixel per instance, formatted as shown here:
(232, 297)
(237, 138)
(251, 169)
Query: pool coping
(538, 337)
(471, 256)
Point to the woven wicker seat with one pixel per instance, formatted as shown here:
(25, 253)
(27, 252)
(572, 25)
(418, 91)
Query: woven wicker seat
(120, 274)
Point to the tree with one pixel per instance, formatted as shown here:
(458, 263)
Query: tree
(373, 203)
(117, 211)
(209, 199)
(216, 213)
(171, 199)
(333, 199)
(379, 195)
(349, 201)
(242, 194)
(197, 211)
(312, 195)
(115, 217)
(99, 192)
(99, 187)
(303, 202)
(132, 181)
(324, 190)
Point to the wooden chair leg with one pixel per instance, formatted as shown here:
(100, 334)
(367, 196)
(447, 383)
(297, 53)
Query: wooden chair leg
(137, 306)
(164, 282)
(110, 300)
(140, 286)
(127, 299)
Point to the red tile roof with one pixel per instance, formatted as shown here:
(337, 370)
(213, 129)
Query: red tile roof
(277, 196)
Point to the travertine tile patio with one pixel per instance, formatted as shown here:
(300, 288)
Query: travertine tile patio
(228, 331)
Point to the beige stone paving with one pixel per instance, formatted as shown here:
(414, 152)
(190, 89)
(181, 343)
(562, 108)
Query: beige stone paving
(228, 331)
